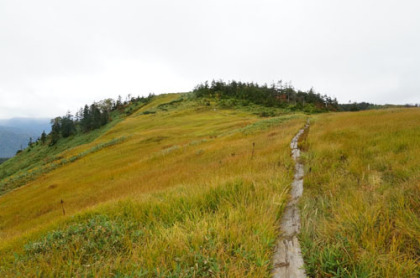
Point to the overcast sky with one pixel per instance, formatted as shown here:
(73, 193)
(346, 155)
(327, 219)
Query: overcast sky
(59, 55)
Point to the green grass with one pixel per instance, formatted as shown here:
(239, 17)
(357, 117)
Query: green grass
(361, 204)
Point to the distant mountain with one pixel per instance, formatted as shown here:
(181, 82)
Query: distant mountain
(15, 133)
(31, 125)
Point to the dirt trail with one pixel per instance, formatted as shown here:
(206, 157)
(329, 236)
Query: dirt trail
(287, 260)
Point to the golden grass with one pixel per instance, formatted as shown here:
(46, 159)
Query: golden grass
(361, 203)
(181, 195)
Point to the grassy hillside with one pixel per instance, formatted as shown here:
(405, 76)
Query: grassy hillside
(361, 204)
(39, 159)
(192, 187)
(180, 188)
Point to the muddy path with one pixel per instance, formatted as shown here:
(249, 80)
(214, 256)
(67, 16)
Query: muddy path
(287, 260)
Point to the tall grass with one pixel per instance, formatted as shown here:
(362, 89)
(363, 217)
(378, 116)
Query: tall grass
(361, 203)
(227, 230)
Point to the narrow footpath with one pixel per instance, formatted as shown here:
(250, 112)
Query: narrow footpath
(287, 260)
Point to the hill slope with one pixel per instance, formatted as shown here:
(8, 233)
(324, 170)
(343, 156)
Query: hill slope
(205, 184)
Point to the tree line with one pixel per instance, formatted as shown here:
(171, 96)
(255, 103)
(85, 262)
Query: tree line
(359, 106)
(88, 118)
(276, 95)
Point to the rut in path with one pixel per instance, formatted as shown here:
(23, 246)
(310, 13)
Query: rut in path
(287, 260)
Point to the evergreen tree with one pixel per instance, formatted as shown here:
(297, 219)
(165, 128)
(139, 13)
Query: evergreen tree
(95, 119)
(43, 137)
(104, 117)
(55, 130)
(67, 125)
(85, 122)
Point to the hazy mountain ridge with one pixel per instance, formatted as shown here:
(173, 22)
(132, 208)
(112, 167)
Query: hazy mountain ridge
(15, 133)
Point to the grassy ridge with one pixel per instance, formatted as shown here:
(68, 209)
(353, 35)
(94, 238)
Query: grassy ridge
(192, 190)
(361, 204)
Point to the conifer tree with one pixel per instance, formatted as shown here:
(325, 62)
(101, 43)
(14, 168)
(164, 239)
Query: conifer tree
(67, 125)
(85, 121)
(55, 130)
(43, 137)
